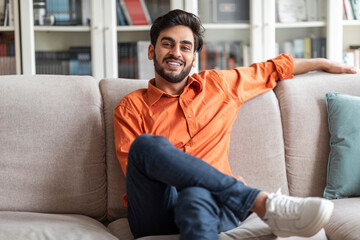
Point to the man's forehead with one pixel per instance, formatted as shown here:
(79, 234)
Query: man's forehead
(177, 34)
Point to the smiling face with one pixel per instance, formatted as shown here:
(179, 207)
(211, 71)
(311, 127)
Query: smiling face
(174, 54)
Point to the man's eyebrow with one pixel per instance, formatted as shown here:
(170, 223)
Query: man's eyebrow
(172, 40)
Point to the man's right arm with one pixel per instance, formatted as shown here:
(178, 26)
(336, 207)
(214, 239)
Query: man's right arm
(126, 128)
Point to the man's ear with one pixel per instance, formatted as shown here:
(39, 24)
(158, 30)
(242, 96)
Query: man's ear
(151, 50)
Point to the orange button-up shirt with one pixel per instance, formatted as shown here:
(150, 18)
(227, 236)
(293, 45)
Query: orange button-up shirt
(199, 120)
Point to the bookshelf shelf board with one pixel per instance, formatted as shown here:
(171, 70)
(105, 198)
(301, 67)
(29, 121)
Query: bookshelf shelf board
(219, 26)
(351, 22)
(62, 28)
(7, 29)
(300, 24)
(133, 28)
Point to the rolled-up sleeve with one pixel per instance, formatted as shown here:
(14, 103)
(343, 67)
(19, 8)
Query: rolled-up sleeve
(244, 83)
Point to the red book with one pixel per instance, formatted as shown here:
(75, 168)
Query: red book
(136, 12)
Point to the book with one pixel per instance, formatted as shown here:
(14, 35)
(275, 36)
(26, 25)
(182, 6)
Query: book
(157, 8)
(355, 6)
(80, 61)
(221, 55)
(290, 11)
(135, 12)
(120, 16)
(86, 12)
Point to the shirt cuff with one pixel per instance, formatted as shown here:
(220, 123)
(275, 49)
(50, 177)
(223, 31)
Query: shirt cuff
(284, 64)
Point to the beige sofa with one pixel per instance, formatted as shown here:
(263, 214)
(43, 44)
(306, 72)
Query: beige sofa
(60, 179)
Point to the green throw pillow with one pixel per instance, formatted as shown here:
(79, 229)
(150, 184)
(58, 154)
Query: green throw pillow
(343, 175)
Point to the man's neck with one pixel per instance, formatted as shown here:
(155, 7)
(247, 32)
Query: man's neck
(170, 88)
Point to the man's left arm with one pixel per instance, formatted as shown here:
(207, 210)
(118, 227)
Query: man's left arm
(303, 65)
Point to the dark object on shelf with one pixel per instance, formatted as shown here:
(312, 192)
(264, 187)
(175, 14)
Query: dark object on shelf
(231, 11)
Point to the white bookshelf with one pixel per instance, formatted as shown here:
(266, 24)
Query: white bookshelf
(15, 30)
(261, 33)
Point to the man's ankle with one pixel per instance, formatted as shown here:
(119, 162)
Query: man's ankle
(259, 206)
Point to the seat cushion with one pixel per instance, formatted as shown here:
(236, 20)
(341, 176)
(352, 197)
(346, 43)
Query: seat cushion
(344, 223)
(52, 145)
(252, 228)
(35, 226)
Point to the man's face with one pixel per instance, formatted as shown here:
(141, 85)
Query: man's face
(174, 54)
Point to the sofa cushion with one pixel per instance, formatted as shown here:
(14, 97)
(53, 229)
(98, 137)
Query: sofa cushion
(35, 226)
(257, 145)
(343, 176)
(305, 128)
(252, 228)
(52, 145)
(344, 223)
(113, 90)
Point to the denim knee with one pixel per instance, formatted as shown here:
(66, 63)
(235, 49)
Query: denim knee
(147, 142)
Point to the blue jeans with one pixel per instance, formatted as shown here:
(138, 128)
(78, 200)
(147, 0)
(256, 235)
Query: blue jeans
(170, 191)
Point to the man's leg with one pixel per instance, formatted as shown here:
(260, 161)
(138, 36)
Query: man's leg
(200, 216)
(150, 204)
(158, 160)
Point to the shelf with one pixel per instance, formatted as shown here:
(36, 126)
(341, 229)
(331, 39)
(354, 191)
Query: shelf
(62, 28)
(7, 29)
(351, 22)
(301, 24)
(218, 26)
(133, 28)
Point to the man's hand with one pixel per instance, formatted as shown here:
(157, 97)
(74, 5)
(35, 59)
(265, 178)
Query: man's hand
(337, 67)
(303, 65)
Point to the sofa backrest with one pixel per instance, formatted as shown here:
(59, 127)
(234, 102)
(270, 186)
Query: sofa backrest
(305, 127)
(256, 151)
(112, 91)
(52, 145)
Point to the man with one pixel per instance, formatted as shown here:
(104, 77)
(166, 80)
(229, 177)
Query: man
(172, 141)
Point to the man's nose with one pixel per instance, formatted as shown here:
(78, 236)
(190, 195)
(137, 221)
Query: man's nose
(175, 51)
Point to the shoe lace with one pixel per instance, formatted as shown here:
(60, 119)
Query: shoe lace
(282, 205)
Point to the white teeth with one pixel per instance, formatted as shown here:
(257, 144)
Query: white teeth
(174, 63)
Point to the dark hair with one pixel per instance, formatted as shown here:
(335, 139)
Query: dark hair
(178, 17)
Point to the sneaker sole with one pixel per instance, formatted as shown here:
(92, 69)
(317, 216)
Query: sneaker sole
(313, 228)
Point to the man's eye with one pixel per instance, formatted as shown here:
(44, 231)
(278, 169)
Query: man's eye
(186, 49)
(167, 45)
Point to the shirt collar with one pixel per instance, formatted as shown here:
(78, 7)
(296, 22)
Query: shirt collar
(154, 93)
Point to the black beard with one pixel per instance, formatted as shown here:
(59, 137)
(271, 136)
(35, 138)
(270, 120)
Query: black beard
(170, 77)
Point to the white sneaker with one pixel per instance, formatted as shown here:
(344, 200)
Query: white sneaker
(294, 216)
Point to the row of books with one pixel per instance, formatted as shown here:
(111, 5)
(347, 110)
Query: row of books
(223, 55)
(7, 47)
(6, 12)
(352, 56)
(289, 11)
(133, 60)
(309, 47)
(351, 9)
(62, 12)
(7, 54)
(76, 61)
(136, 12)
